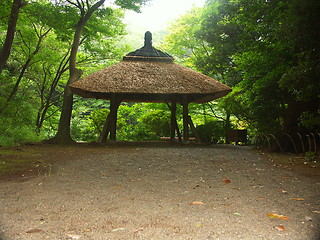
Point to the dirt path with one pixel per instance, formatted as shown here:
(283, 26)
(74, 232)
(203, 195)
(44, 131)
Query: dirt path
(218, 192)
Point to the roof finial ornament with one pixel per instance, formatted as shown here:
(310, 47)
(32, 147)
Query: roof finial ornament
(148, 53)
(148, 39)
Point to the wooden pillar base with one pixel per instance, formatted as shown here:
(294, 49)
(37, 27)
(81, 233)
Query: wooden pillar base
(174, 123)
(185, 120)
(173, 120)
(114, 105)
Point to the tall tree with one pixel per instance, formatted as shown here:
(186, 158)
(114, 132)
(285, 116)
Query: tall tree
(63, 135)
(86, 10)
(38, 67)
(268, 51)
(300, 32)
(274, 57)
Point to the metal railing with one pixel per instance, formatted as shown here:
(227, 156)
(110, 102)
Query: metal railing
(297, 143)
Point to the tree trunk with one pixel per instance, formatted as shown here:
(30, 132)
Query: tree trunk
(194, 130)
(63, 135)
(12, 23)
(105, 131)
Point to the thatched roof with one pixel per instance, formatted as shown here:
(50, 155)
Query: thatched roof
(149, 75)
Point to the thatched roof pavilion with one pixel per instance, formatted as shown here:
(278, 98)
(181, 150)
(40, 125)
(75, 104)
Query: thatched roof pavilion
(149, 75)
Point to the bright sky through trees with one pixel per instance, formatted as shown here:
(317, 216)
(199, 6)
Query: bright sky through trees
(157, 13)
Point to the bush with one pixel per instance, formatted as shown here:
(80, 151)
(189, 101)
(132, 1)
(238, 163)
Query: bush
(18, 126)
(16, 135)
(212, 131)
(157, 121)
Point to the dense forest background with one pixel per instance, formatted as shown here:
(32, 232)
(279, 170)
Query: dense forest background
(267, 51)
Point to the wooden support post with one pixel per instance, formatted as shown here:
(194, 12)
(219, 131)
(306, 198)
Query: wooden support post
(185, 119)
(174, 123)
(178, 131)
(173, 120)
(114, 105)
(194, 130)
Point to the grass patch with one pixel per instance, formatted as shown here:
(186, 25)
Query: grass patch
(298, 163)
(13, 161)
(14, 165)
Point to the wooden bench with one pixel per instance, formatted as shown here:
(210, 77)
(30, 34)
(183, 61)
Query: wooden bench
(168, 138)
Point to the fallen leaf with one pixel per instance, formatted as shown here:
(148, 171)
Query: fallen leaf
(227, 181)
(283, 191)
(197, 203)
(74, 236)
(297, 199)
(138, 230)
(34, 230)
(280, 228)
(119, 186)
(315, 211)
(307, 218)
(118, 229)
(274, 215)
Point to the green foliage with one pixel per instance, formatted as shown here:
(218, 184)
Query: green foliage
(211, 132)
(97, 119)
(18, 135)
(52, 15)
(37, 69)
(135, 122)
(158, 123)
(310, 156)
(268, 51)
(130, 4)
(301, 32)
(18, 127)
(310, 120)
(272, 57)
(88, 117)
(182, 41)
(128, 123)
(142, 122)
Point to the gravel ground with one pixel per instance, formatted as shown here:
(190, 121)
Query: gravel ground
(152, 192)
